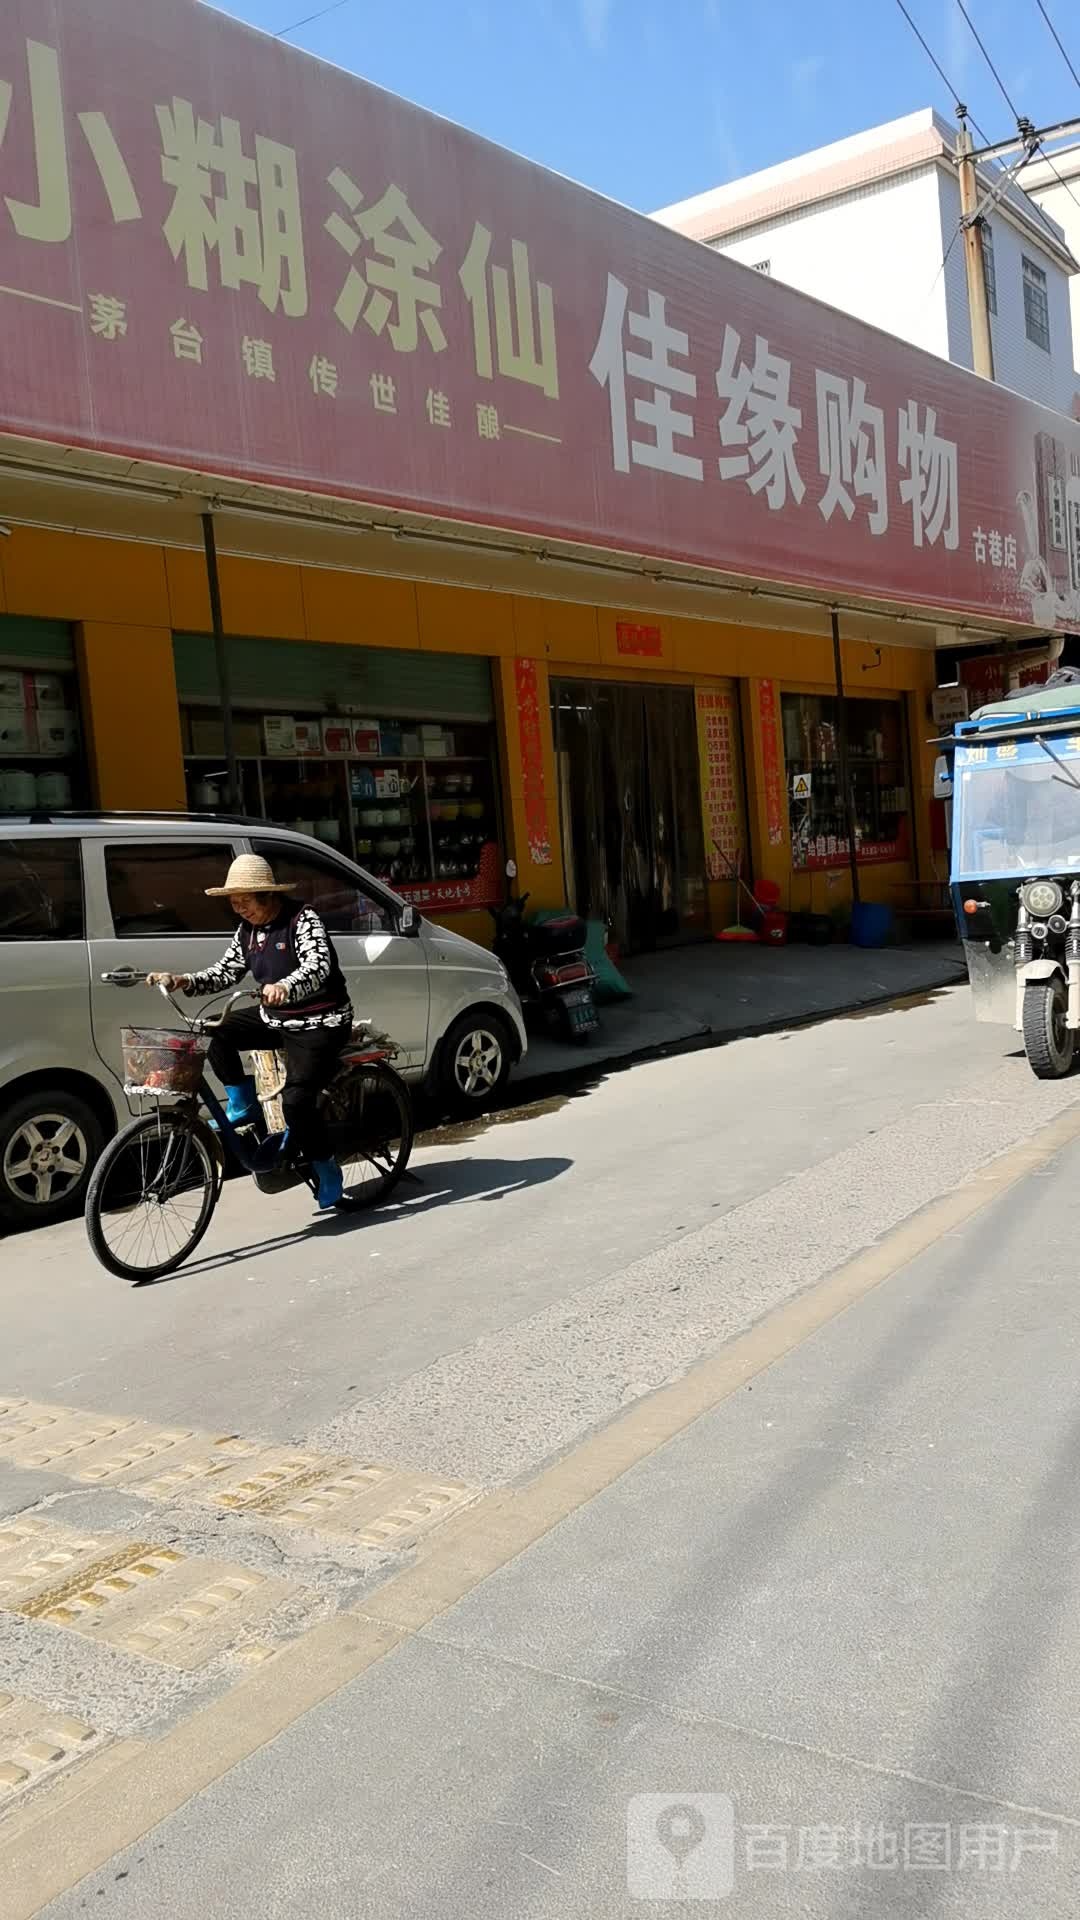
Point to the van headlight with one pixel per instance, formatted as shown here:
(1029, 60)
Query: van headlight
(1042, 898)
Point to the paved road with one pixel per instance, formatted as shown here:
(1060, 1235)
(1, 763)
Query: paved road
(662, 1521)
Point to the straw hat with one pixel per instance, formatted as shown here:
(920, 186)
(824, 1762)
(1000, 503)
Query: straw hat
(248, 874)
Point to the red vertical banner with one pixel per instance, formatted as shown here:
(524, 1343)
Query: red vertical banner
(532, 762)
(772, 761)
(720, 808)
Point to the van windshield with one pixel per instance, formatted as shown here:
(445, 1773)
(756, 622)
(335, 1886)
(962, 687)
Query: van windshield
(1019, 816)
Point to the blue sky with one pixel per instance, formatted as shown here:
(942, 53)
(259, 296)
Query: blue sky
(653, 100)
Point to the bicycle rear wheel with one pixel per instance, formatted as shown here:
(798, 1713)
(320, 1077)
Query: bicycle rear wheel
(376, 1132)
(152, 1195)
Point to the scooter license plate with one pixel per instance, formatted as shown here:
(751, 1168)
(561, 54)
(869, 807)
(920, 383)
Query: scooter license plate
(582, 1010)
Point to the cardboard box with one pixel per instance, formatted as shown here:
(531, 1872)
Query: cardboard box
(18, 731)
(366, 736)
(309, 745)
(57, 733)
(337, 737)
(12, 689)
(279, 733)
(51, 692)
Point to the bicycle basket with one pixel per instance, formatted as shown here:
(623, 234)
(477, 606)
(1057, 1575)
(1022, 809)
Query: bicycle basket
(158, 1061)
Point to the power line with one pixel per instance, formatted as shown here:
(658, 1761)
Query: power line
(982, 49)
(321, 15)
(1058, 41)
(1062, 182)
(940, 71)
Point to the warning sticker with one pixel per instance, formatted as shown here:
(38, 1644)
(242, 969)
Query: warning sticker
(800, 786)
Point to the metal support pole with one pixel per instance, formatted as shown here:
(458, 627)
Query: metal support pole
(221, 657)
(982, 346)
(845, 772)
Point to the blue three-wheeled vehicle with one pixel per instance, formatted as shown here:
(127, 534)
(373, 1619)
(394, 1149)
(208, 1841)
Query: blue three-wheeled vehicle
(1015, 782)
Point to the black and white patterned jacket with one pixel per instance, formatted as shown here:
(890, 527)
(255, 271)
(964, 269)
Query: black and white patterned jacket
(294, 951)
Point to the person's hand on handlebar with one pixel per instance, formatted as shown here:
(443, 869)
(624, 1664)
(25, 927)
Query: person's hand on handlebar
(274, 994)
(172, 982)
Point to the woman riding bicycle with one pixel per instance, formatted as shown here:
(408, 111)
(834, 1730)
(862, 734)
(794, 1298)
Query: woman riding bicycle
(305, 1012)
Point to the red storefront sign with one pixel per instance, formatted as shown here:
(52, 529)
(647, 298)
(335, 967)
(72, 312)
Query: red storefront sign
(458, 896)
(222, 254)
(773, 762)
(832, 850)
(531, 745)
(987, 677)
(641, 640)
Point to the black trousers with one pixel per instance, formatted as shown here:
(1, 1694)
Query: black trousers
(311, 1054)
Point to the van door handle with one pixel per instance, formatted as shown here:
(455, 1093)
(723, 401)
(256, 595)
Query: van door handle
(124, 977)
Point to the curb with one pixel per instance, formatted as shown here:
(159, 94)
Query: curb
(523, 1093)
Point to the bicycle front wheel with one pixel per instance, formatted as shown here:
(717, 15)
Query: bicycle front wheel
(377, 1127)
(152, 1194)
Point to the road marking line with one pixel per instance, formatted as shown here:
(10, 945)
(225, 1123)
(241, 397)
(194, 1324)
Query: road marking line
(110, 1812)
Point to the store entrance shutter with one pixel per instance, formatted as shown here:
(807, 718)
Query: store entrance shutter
(305, 676)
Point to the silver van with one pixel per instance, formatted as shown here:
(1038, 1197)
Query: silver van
(90, 904)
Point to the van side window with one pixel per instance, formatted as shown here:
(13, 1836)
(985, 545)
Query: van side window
(156, 889)
(342, 906)
(41, 892)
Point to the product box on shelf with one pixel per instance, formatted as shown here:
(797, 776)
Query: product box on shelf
(309, 743)
(337, 738)
(57, 732)
(18, 731)
(50, 692)
(279, 733)
(12, 689)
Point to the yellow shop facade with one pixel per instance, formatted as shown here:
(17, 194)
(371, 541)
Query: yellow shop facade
(630, 748)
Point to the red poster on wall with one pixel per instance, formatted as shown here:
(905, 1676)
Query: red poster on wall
(773, 762)
(717, 756)
(532, 762)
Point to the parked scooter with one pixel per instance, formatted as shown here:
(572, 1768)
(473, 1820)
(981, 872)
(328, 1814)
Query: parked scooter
(546, 963)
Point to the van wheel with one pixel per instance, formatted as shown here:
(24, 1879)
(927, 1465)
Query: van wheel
(49, 1141)
(1048, 1042)
(474, 1062)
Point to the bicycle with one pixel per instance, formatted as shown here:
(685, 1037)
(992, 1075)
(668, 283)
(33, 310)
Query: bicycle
(152, 1194)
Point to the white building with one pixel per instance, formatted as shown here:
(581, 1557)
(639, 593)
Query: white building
(866, 223)
(1056, 187)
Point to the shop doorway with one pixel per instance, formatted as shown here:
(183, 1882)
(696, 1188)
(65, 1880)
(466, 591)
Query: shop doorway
(630, 810)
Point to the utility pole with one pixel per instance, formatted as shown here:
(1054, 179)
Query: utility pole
(1027, 142)
(982, 346)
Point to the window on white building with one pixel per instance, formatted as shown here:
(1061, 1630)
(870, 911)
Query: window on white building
(989, 271)
(1036, 305)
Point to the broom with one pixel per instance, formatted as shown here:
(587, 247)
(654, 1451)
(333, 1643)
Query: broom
(733, 868)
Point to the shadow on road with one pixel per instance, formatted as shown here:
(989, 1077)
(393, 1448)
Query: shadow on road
(446, 1183)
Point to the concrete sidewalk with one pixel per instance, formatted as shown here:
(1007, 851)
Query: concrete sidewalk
(690, 993)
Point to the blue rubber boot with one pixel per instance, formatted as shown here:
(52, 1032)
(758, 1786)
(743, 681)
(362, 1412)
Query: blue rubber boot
(331, 1183)
(241, 1105)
